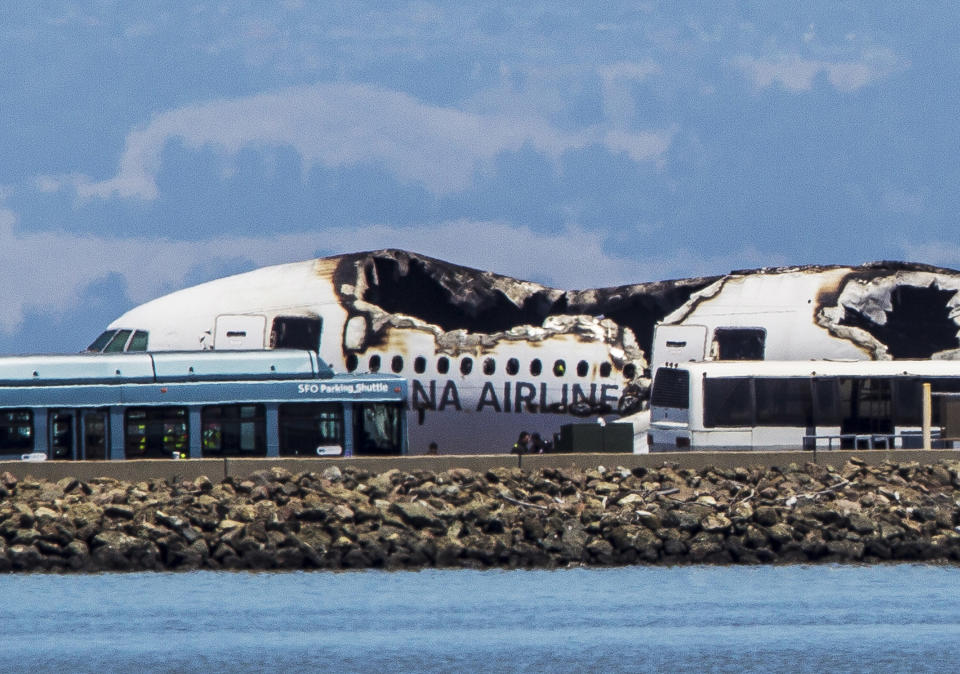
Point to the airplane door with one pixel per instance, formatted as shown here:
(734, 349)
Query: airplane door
(679, 343)
(296, 332)
(62, 426)
(233, 332)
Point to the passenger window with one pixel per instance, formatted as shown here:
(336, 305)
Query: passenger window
(783, 401)
(233, 430)
(139, 341)
(374, 364)
(397, 363)
(489, 366)
(118, 342)
(629, 371)
(377, 428)
(306, 429)
(352, 362)
(605, 369)
(513, 366)
(559, 368)
(443, 365)
(16, 430)
(536, 367)
(727, 402)
(419, 364)
(583, 368)
(466, 366)
(158, 432)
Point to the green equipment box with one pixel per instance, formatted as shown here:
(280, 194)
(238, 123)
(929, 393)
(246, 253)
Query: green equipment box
(592, 438)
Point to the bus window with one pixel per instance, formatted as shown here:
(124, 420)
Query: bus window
(727, 402)
(826, 405)
(671, 388)
(377, 428)
(783, 401)
(233, 430)
(16, 431)
(310, 429)
(908, 402)
(157, 432)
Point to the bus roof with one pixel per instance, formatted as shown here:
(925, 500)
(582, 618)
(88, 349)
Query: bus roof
(120, 368)
(821, 368)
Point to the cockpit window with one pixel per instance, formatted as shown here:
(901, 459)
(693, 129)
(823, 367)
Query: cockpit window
(101, 341)
(118, 342)
(139, 341)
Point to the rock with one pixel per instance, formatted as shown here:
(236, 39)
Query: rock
(715, 524)
(766, 516)
(417, 514)
(332, 473)
(25, 557)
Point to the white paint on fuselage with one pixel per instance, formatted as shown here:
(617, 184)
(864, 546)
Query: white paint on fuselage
(475, 412)
(783, 304)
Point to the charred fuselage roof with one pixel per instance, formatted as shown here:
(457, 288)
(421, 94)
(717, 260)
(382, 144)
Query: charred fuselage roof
(892, 309)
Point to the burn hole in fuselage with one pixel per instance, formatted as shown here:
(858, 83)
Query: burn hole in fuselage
(918, 324)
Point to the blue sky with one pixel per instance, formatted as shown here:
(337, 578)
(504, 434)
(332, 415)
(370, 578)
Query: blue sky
(150, 146)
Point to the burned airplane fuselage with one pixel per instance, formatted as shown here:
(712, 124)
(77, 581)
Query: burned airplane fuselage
(488, 355)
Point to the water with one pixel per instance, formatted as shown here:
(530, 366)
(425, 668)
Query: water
(793, 618)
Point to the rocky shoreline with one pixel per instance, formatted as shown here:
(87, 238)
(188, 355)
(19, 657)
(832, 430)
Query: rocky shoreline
(500, 518)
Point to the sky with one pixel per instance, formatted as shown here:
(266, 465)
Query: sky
(147, 147)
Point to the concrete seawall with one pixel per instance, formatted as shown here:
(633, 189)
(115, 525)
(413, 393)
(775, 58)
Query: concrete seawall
(219, 469)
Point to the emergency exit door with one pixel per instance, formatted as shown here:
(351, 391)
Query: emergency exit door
(78, 434)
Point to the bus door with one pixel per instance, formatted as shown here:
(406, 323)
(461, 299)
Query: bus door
(78, 434)
(867, 410)
(62, 425)
(95, 426)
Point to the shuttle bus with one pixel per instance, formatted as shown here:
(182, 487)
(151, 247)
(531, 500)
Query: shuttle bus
(789, 405)
(195, 405)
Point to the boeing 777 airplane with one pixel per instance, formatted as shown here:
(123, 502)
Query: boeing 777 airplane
(488, 355)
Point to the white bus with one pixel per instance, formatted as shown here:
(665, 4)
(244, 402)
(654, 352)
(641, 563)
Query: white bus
(718, 405)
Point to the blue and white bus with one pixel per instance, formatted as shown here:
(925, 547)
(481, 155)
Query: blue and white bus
(195, 405)
(773, 405)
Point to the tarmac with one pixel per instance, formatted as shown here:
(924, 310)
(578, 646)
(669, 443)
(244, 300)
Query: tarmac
(219, 469)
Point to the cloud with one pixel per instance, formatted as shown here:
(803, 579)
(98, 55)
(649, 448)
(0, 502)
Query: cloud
(46, 273)
(336, 125)
(795, 73)
(939, 253)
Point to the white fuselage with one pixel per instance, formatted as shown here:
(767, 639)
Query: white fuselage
(476, 409)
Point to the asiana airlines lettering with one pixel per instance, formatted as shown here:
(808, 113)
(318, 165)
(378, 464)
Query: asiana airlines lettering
(516, 397)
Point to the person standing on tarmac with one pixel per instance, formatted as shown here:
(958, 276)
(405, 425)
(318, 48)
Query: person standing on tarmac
(522, 445)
